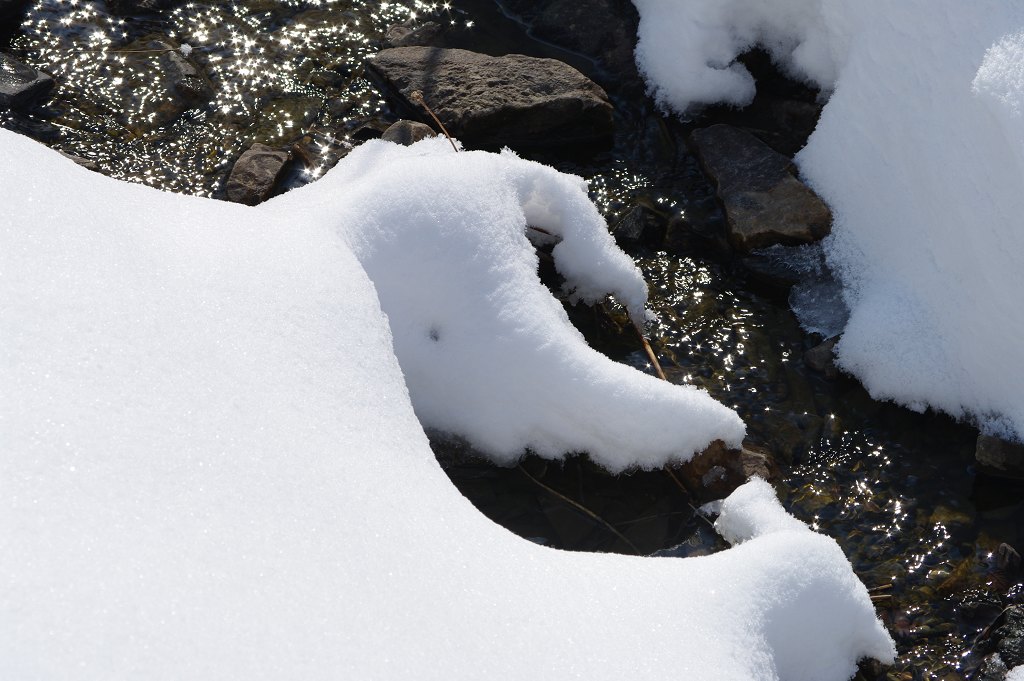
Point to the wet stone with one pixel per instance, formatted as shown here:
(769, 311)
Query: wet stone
(765, 204)
(1000, 457)
(822, 358)
(718, 470)
(407, 132)
(517, 101)
(20, 85)
(255, 174)
(639, 226)
(1011, 637)
(410, 34)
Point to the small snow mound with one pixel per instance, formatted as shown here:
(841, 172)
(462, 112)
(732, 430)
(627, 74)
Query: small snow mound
(753, 511)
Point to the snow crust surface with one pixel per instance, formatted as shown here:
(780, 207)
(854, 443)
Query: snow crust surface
(920, 154)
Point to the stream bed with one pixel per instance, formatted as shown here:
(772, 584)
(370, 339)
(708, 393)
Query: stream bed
(898, 490)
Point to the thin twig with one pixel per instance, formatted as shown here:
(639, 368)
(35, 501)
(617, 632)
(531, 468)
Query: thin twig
(417, 97)
(650, 352)
(582, 509)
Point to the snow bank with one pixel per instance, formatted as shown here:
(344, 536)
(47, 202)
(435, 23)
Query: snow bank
(211, 469)
(919, 152)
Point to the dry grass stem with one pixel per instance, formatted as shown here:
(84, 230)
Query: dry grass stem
(582, 509)
(417, 97)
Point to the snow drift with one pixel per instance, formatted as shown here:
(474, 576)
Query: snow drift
(211, 467)
(919, 152)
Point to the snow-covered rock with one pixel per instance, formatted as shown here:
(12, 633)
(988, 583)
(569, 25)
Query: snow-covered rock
(920, 154)
(211, 467)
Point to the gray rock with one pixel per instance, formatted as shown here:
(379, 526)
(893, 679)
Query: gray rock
(407, 132)
(518, 101)
(1000, 457)
(20, 85)
(255, 174)
(822, 358)
(765, 204)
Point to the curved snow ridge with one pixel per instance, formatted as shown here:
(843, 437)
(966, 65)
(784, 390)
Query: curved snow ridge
(487, 352)
(920, 154)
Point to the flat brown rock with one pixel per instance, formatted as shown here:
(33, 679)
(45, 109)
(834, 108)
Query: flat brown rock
(512, 100)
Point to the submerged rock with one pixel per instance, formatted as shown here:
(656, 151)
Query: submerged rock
(765, 204)
(407, 132)
(603, 30)
(255, 174)
(410, 34)
(640, 226)
(20, 84)
(514, 100)
(139, 6)
(187, 80)
(822, 358)
(1000, 457)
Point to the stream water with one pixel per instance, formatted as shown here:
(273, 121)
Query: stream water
(895, 488)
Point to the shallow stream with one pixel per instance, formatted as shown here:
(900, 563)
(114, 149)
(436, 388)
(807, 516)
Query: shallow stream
(897, 489)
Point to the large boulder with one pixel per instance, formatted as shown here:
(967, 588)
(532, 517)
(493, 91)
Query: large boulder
(20, 85)
(765, 204)
(518, 101)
